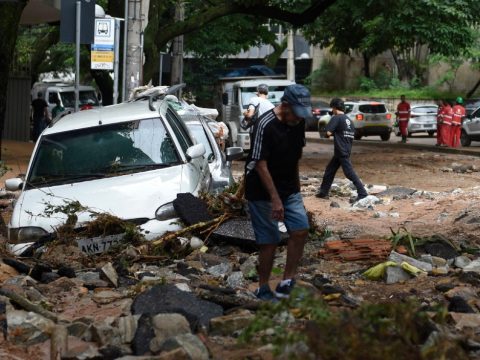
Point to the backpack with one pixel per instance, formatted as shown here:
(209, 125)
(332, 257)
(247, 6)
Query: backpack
(247, 123)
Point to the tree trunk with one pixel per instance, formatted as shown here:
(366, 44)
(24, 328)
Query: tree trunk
(366, 65)
(472, 90)
(105, 85)
(10, 13)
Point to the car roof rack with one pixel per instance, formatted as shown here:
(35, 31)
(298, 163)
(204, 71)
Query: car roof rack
(158, 93)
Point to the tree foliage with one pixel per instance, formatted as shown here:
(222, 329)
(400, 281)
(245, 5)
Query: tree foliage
(411, 29)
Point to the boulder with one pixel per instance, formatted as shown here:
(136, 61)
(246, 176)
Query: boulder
(368, 202)
(462, 261)
(462, 320)
(220, 270)
(169, 299)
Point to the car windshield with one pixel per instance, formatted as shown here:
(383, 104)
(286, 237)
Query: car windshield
(275, 93)
(425, 110)
(372, 108)
(86, 97)
(102, 151)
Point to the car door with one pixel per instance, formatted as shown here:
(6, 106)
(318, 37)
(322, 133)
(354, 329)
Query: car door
(473, 126)
(198, 168)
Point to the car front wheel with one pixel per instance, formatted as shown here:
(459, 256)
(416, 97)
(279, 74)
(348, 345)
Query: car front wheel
(465, 139)
(431, 133)
(385, 137)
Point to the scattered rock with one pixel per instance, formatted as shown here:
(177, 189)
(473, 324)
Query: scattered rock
(444, 287)
(249, 267)
(104, 334)
(367, 202)
(462, 320)
(108, 273)
(27, 328)
(462, 261)
(104, 296)
(395, 274)
(229, 324)
(459, 305)
(472, 278)
(465, 292)
(396, 193)
(334, 204)
(168, 299)
(220, 270)
(441, 249)
(143, 335)
(183, 287)
(188, 342)
(6, 272)
(166, 326)
(80, 330)
(127, 326)
(474, 266)
(380, 215)
(440, 270)
(236, 280)
(196, 243)
(48, 277)
(399, 258)
(376, 189)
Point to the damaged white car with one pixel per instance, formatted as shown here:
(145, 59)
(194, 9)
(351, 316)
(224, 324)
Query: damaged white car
(129, 160)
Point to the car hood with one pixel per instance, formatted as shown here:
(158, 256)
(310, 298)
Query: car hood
(130, 196)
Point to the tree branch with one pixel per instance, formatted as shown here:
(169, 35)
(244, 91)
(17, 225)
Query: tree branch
(192, 23)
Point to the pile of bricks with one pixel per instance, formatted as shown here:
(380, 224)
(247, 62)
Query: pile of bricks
(358, 250)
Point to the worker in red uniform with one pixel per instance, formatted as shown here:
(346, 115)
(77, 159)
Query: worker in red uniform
(457, 118)
(447, 123)
(439, 124)
(403, 116)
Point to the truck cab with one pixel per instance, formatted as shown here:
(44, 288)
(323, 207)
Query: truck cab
(236, 94)
(66, 94)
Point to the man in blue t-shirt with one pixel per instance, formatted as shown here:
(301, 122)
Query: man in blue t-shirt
(343, 131)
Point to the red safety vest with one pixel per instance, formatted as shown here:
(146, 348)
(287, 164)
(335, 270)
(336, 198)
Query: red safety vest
(403, 111)
(447, 115)
(458, 114)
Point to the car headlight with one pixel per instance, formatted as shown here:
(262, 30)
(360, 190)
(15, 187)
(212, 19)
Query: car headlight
(165, 212)
(25, 234)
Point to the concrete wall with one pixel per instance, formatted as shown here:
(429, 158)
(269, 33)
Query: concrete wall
(350, 68)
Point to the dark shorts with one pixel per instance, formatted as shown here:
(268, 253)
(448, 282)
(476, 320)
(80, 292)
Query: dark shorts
(266, 229)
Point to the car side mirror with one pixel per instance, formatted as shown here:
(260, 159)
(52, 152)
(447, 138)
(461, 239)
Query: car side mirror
(14, 184)
(225, 98)
(195, 151)
(233, 153)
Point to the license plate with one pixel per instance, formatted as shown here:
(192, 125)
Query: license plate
(99, 244)
(428, 126)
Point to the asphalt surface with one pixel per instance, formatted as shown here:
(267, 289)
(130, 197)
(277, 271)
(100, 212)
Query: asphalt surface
(417, 141)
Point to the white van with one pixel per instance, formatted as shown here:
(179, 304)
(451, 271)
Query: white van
(66, 94)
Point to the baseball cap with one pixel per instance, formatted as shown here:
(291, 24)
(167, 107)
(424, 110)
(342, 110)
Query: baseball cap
(298, 97)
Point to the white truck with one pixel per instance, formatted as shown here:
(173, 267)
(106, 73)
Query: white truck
(65, 92)
(234, 94)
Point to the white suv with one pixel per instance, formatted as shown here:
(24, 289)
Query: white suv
(471, 128)
(369, 117)
(129, 160)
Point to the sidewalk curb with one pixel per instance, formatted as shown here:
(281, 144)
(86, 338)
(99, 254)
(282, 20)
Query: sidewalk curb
(445, 150)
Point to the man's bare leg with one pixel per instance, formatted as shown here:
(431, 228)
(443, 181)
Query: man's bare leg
(295, 246)
(265, 262)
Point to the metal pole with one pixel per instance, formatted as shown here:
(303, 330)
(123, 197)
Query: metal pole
(125, 44)
(290, 56)
(116, 61)
(160, 70)
(77, 53)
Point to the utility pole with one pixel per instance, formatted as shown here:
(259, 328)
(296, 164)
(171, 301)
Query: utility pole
(177, 49)
(136, 24)
(290, 57)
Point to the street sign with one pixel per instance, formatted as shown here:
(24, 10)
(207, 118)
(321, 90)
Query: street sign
(67, 21)
(102, 54)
